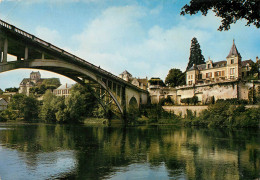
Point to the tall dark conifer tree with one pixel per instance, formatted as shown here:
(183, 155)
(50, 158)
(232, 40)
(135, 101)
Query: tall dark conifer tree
(196, 56)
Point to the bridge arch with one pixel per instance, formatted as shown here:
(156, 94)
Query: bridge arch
(32, 52)
(69, 70)
(133, 103)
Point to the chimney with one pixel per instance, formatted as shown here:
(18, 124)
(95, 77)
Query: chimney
(257, 59)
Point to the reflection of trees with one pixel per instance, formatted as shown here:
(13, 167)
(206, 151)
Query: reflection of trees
(200, 154)
(197, 153)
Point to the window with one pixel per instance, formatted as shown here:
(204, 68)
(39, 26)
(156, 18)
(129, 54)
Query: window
(200, 76)
(208, 66)
(232, 61)
(208, 75)
(191, 76)
(223, 73)
(218, 73)
(232, 71)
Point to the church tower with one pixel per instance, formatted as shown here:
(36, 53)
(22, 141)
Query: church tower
(234, 63)
(35, 76)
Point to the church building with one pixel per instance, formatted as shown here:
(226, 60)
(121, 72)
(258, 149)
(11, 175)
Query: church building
(27, 83)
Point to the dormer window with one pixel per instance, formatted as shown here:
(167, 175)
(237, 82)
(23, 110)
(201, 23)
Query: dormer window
(208, 66)
(232, 61)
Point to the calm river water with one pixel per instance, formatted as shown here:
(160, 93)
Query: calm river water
(154, 152)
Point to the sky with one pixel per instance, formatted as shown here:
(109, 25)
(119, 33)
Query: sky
(145, 37)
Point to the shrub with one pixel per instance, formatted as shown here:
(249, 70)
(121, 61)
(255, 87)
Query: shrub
(167, 101)
(233, 101)
(193, 100)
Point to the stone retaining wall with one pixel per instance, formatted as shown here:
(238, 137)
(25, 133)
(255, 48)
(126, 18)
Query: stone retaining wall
(182, 110)
(198, 109)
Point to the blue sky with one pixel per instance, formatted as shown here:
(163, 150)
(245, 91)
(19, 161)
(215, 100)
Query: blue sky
(145, 37)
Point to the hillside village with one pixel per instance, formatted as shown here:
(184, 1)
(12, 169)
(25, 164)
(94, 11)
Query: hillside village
(205, 83)
(226, 79)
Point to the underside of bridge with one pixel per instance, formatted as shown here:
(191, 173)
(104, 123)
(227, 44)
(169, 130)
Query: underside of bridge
(29, 51)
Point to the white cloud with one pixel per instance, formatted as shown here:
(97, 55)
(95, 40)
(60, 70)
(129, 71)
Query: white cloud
(111, 30)
(117, 40)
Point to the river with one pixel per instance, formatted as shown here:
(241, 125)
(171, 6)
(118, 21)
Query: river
(40, 151)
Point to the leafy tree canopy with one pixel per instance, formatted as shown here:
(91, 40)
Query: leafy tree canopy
(52, 82)
(175, 77)
(27, 107)
(1, 91)
(79, 105)
(12, 89)
(229, 10)
(196, 56)
(156, 81)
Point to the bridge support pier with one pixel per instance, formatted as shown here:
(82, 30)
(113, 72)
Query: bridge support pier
(26, 53)
(43, 56)
(19, 58)
(123, 102)
(0, 53)
(5, 50)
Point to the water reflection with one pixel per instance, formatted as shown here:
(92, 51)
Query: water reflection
(159, 152)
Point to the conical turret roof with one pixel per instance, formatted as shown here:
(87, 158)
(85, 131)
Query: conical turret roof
(125, 72)
(233, 51)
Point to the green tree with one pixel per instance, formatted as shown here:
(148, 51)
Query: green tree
(254, 70)
(76, 106)
(229, 10)
(24, 107)
(12, 89)
(48, 108)
(156, 81)
(83, 99)
(79, 105)
(175, 77)
(1, 91)
(196, 56)
(52, 82)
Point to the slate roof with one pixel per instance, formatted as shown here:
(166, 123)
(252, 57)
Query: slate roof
(3, 101)
(144, 81)
(26, 80)
(233, 51)
(126, 72)
(220, 64)
(244, 63)
(63, 86)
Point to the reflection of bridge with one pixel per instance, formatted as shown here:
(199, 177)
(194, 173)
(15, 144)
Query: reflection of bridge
(112, 92)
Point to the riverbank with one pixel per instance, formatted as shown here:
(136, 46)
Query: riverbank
(220, 114)
(182, 110)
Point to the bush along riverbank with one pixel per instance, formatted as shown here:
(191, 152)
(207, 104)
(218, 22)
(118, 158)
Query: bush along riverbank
(220, 114)
(81, 104)
(223, 114)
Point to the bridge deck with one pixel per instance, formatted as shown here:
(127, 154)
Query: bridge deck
(53, 51)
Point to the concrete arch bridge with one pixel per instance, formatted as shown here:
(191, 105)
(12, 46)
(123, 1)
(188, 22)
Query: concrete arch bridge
(113, 93)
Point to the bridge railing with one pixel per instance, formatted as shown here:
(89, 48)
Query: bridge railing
(57, 49)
